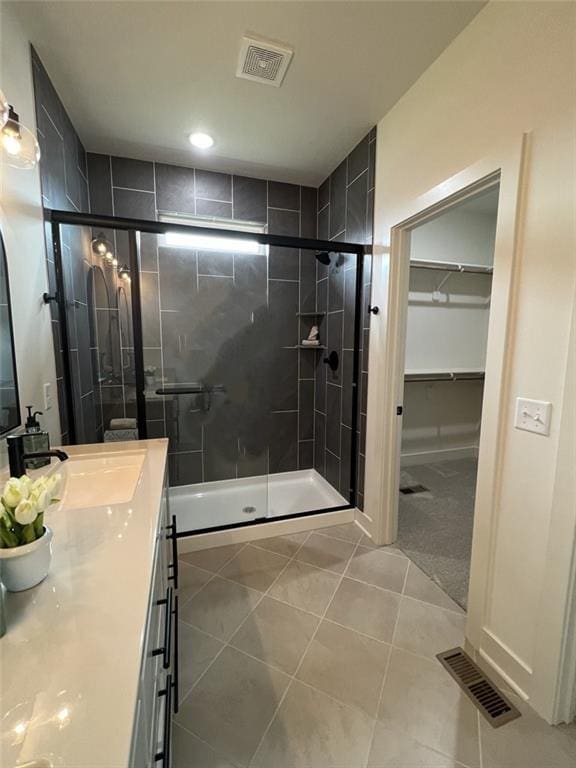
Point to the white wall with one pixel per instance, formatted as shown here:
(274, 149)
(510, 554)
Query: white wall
(23, 231)
(510, 71)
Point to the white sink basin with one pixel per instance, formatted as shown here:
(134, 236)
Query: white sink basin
(93, 480)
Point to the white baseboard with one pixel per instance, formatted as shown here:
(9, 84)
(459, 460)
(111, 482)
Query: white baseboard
(411, 459)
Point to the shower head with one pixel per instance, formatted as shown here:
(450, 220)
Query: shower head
(323, 257)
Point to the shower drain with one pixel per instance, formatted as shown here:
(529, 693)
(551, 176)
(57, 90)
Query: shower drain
(248, 510)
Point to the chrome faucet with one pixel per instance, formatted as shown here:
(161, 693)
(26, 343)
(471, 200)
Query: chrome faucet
(17, 455)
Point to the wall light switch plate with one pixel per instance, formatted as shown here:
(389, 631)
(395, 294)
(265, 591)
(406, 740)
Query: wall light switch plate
(533, 415)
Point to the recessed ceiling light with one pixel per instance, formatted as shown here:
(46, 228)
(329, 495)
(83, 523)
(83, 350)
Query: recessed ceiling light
(201, 140)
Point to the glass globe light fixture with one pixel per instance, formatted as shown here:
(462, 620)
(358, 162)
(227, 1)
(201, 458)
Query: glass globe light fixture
(19, 145)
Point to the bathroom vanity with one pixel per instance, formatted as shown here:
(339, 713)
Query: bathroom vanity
(89, 660)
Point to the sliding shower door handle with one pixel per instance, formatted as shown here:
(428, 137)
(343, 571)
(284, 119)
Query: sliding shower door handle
(173, 566)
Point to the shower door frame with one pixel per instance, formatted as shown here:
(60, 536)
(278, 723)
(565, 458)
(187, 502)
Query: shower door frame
(134, 227)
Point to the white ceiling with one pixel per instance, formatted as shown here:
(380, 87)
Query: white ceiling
(138, 77)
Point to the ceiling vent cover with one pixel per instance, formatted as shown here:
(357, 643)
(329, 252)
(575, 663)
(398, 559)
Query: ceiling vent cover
(263, 61)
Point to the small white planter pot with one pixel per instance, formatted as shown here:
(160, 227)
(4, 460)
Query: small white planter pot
(24, 567)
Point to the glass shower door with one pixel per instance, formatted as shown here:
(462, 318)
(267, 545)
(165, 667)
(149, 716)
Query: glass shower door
(207, 374)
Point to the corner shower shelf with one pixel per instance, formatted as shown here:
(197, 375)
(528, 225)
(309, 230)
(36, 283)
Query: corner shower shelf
(310, 314)
(448, 266)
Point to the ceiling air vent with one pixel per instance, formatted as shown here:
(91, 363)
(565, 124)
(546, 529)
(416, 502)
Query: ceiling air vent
(263, 61)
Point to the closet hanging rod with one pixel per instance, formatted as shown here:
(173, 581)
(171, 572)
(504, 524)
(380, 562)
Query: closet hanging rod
(445, 376)
(447, 266)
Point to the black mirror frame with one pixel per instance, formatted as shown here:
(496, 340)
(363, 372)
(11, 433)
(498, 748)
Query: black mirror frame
(4, 257)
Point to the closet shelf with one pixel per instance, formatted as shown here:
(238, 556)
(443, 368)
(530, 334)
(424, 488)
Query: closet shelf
(445, 376)
(447, 266)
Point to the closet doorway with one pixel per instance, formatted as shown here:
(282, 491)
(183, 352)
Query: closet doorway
(448, 309)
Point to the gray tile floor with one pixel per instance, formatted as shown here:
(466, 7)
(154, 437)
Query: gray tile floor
(317, 651)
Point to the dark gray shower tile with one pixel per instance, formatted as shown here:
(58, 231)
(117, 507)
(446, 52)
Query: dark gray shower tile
(251, 280)
(155, 428)
(335, 287)
(306, 454)
(148, 252)
(174, 189)
(283, 308)
(220, 448)
(71, 173)
(307, 363)
(185, 468)
(320, 394)
(347, 390)
(184, 422)
(358, 159)
(82, 161)
(283, 263)
(281, 195)
(100, 184)
(84, 199)
(132, 174)
(356, 205)
(363, 399)
(324, 225)
(85, 357)
(283, 382)
(324, 193)
(253, 465)
(334, 343)
(284, 446)
(369, 218)
(349, 308)
(333, 418)
(306, 428)
(249, 199)
(308, 212)
(184, 360)
(322, 295)
(178, 278)
(112, 404)
(338, 200)
(307, 281)
(52, 164)
(215, 263)
(319, 443)
(56, 340)
(107, 324)
(345, 460)
(213, 209)
(150, 309)
(45, 93)
(134, 205)
(89, 418)
(214, 186)
(104, 281)
(332, 470)
(371, 164)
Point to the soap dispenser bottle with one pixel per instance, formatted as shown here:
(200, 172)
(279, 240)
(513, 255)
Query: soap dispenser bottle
(35, 439)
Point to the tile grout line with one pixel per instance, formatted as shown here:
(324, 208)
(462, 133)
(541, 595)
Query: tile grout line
(303, 656)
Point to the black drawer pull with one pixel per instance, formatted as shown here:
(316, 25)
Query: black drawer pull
(176, 683)
(173, 566)
(167, 647)
(164, 755)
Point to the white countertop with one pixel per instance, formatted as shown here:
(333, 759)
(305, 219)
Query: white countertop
(70, 659)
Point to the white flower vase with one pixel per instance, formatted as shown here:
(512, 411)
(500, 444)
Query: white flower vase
(26, 566)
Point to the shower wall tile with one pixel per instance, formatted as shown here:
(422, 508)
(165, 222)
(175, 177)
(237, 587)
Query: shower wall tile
(308, 208)
(175, 189)
(178, 278)
(149, 252)
(283, 262)
(320, 443)
(213, 263)
(307, 281)
(213, 209)
(306, 403)
(132, 174)
(214, 186)
(345, 212)
(283, 308)
(284, 373)
(283, 448)
(249, 199)
(306, 454)
(184, 468)
(281, 195)
(131, 204)
(100, 184)
(150, 309)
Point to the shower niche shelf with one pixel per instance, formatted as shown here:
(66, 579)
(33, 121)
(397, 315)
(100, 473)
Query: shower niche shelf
(310, 314)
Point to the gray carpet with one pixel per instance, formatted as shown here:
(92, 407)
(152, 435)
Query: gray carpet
(435, 528)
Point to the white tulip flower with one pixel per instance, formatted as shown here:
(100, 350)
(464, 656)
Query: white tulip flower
(26, 512)
(14, 492)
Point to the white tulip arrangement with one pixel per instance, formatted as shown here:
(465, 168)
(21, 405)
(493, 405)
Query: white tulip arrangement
(22, 508)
